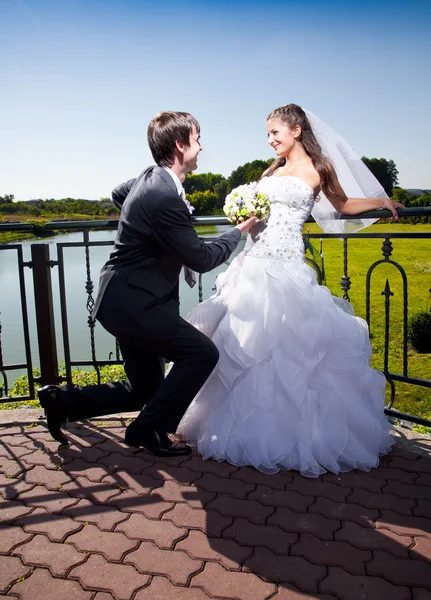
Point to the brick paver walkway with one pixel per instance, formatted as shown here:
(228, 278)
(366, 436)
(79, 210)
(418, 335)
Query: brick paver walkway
(98, 520)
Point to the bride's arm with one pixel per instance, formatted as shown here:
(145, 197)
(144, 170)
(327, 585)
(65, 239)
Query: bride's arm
(356, 206)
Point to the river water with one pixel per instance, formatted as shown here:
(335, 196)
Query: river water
(12, 333)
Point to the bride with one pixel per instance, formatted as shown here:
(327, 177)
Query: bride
(293, 388)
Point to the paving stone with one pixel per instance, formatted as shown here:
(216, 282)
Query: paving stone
(52, 480)
(423, 509)
(414, 492)
(11, 536)
(44, 458)
(355, 480)
(109, 446)
(14, 439)
(413, 526)
(89, 455)
(175, 565)
(142, 484)
(399, 451)
(344, 512)
(10, 510)
(422, 549)
(227, 552)
(168, 461)
(119, 579)
(111, 544)
(217, 582)
(54, 501)
(337, 554)
(209, 521)
(98, 493)
(390, 473)
(403, 506)
(14, 452)
(270, 497)
(359, 587)
(11, 488)
(368, 538)
(105, 517)
(11, 569)
(236, 488)
(292, 593)
(276, 481)
(129, 501)
(104, 596)
(285, 569)
(401, 571)
(80, 467)
(41, 586)
(423, 479)
(13, 468)
(85, 441)
(304, 523)
(317, 488)
(163, 533)
(41, 552)
(194, 496)
(421, 594)
(231, 507)
(411, 466)
(131, 464)
(223, 469)
(266, 536)
(182, 475)
(162, 589)
(56, 527)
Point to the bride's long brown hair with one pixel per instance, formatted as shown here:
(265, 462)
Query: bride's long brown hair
(292, 115)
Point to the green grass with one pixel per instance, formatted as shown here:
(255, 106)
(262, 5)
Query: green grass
(415, 258)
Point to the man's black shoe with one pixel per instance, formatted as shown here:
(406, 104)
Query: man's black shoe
(54, 411)
(158, 444)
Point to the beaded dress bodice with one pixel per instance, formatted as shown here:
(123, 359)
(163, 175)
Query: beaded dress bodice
(280, 236)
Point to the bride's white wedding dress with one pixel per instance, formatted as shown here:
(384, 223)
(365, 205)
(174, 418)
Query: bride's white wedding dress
(293, 388)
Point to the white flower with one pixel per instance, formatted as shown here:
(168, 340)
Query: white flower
(245, 201)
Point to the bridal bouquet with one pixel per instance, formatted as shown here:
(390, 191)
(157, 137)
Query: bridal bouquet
(245, 201)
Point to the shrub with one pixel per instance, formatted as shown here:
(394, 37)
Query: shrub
(420, 331)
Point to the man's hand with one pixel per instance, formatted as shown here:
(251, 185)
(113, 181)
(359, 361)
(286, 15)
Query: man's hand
(247, 225)
(392, 206)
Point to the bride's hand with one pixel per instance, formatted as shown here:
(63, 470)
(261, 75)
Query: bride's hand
(392, 206)
(246, 225)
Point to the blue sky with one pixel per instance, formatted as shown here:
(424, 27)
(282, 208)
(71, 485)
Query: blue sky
(81, 79)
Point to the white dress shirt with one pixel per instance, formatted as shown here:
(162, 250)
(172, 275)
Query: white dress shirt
(189, 275)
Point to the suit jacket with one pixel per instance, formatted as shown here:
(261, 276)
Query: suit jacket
(155, 239)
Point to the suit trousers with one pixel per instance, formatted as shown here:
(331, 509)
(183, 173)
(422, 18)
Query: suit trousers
(165, 400)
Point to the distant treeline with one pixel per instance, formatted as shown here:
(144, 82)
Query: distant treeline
(206, 191)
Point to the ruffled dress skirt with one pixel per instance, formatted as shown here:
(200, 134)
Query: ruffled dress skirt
(293, 389)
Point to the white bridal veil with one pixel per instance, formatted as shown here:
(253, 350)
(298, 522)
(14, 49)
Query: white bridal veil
(355, 178)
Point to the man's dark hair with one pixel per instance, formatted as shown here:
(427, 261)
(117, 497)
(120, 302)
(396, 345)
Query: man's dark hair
(165, 130)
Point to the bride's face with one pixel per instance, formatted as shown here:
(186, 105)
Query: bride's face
(281, 137)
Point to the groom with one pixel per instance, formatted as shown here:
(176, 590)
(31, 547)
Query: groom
(138, 299)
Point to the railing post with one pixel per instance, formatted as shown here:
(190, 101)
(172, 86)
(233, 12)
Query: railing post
(44, 314)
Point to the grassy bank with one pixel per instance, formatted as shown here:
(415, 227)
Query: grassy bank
(415, 258)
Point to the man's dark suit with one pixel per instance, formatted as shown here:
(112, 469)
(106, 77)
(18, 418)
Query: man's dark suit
(138, 303)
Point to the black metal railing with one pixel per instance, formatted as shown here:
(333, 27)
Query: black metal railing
(42, 265)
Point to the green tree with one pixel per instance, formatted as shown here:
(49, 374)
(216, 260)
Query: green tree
(385, 172)
(202, 182)
(7, 199)
(251, 171)
(205, 203)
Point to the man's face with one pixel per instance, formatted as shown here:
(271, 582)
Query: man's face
(191, 152)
